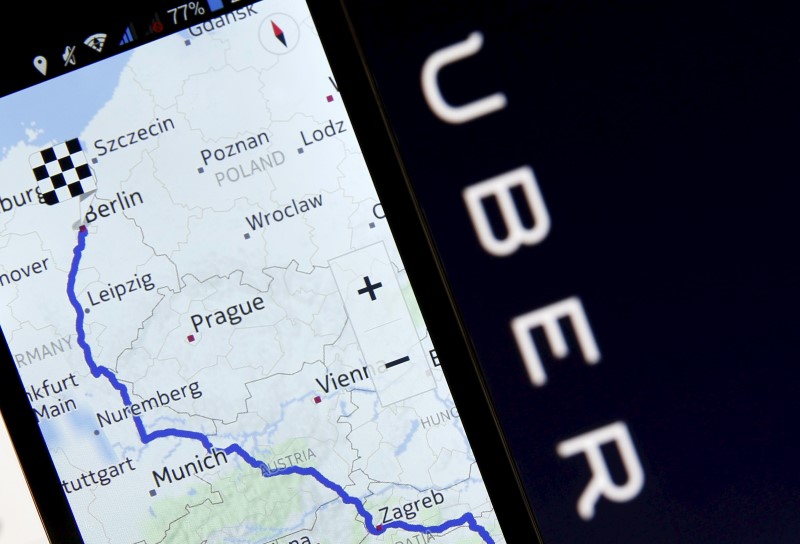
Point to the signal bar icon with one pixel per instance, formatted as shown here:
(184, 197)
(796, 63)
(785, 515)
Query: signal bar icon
(128, 36)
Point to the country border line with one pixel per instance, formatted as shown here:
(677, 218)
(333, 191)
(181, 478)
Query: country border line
(146, 437)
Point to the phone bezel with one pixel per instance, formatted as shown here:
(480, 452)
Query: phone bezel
(424, 269)
(425, 273)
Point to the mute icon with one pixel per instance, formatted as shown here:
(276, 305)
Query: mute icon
(40, 63)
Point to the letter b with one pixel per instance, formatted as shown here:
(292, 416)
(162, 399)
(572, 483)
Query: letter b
(500, 187)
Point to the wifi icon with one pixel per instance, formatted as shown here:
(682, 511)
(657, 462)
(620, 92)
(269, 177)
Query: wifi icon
(96, 41)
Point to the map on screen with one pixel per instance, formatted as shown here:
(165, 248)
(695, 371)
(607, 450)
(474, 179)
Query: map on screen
(203, 298)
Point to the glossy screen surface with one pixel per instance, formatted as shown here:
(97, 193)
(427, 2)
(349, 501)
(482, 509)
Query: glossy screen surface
(205, 303)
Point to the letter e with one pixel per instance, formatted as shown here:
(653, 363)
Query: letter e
(547, 318)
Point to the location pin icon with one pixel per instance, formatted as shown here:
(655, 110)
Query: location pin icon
(40, 63)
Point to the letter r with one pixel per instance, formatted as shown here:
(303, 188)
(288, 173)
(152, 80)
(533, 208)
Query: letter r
(601, 484)
(500, 188)
(547, 318)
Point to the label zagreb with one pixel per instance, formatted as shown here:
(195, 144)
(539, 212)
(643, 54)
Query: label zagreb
(410, 510)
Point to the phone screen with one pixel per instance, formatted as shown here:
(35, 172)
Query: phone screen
(203, 298)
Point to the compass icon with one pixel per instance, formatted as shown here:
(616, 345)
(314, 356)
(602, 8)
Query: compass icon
(279, 33)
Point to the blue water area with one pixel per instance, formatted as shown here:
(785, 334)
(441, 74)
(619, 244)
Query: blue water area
(62, 106)
(401, 449)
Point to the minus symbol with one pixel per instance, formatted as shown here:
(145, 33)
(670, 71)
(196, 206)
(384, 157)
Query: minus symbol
(396, 362)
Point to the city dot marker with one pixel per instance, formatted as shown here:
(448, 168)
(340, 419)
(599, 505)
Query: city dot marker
(86, 310)
(330, 98)
(94, 160)
(152, 492)
(379, 528)
(300, 150)
(200, 170)
(96, 432)
(317, 399)
(190, 338)
(246, 235)
(83, 228)
(372, 225)
(188, 42)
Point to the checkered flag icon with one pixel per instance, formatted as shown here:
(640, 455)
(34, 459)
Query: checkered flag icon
(62, 172)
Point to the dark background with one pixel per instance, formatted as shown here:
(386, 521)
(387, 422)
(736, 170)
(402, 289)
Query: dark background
(664, 137)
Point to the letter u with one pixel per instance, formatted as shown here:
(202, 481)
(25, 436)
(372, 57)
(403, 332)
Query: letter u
(249, 309)
(175, 476)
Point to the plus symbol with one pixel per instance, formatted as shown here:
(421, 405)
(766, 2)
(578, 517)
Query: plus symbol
(369, 288)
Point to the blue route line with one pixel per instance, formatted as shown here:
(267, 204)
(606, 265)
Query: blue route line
(146, 437)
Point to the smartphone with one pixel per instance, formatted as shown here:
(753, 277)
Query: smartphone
(224, 318)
